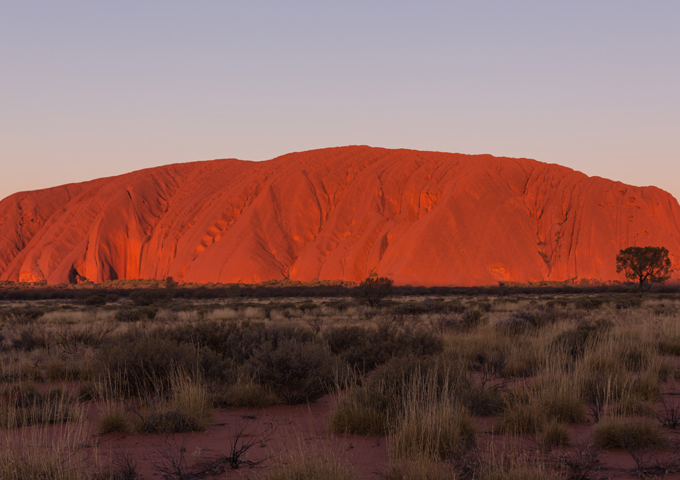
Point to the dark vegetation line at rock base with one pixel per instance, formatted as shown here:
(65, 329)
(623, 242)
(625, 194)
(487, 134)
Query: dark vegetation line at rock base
(156, 289)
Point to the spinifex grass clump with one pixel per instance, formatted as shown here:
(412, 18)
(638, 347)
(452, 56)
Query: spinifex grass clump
(629, 433)
(57, 453)
(113, 419)
(189, 408)
(374, 406)
(436, 429)
(22, 406)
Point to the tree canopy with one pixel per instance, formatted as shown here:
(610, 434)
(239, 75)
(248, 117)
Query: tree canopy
(645, 264)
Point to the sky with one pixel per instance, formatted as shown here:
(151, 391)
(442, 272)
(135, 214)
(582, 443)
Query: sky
(91, 89)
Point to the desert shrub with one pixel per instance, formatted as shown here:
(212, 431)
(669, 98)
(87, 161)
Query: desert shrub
(136, 314)
(628, 433)
(111, 298)
(22, 406)
(369, 408)
(57, 370)
(167, 421)
(473, 318)
(298, 372)
(188, 410)
(520, 417)
(245, 394)
(238, 341)
(55, 456)
(669, 346)
(439, 430)
(602, 379)
(143, 362)
(555, 435)
(483, 400)
(113, 420)
(559, 398)
(646, 387)
(366, 348)
(589, 303)
(190, 396)
(23, 315)
(95, 300)
(30, 338)
(427, 307)
(86, 392)
(363, 411)
(564, 408)
(521, 321)
(574, 341)
(143, 298)
(635, 356)
(629, 406)
(629, 301)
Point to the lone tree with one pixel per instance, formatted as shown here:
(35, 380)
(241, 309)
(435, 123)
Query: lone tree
(645, 264)
(372, 290)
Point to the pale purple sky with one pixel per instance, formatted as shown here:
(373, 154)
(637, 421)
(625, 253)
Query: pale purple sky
(91, 89)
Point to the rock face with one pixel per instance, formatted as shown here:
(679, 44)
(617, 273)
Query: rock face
(421, 218)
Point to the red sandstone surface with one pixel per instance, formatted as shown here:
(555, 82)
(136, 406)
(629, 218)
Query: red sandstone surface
(421, 218)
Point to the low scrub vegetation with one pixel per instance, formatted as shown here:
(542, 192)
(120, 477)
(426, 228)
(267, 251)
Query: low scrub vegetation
(443, 380)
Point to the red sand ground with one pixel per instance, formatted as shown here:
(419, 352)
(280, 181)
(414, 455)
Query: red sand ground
(421, 218)
(303, 430)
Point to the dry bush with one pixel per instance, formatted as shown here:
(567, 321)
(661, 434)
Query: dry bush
(189, 408)
(380, 400)
(113, 419)
(55, 454)
(628, 433)
(22, 406)
(362, 411)
(508, 464)
(521, 417)
(298, 372)
(555, 434)
(366, 348)
(245, 393)
(143, 362)
(430, 423)
(438, 431)
(557, 394)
